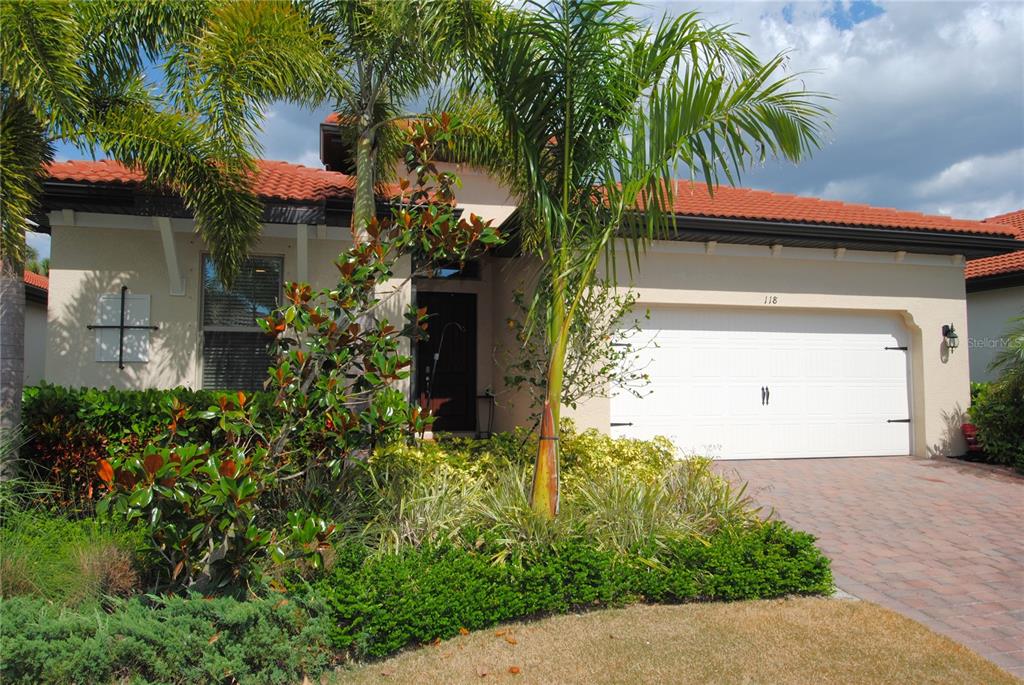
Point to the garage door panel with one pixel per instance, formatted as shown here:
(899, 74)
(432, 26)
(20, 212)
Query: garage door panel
(833, 386)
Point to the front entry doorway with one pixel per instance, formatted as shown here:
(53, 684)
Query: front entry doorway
(446, 362)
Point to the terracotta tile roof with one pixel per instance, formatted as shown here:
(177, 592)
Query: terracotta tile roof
(37, 281)
(285, 181)
(275, 180)
(1004, 263)
(692, 199)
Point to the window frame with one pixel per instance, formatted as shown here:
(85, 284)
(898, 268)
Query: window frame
(217, 328)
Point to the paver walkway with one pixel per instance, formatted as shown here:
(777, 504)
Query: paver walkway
(938, 540)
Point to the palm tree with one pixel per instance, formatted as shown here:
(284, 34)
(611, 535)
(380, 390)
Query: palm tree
(586, 113)
(76, 72)
(389, 53)
(1009, 360)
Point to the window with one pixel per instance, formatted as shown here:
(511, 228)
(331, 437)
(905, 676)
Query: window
(454, 270)
(235, 349)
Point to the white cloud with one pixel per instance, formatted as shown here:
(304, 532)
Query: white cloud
(980, 208)
(292, 134)
(983, 171)
(918, 89)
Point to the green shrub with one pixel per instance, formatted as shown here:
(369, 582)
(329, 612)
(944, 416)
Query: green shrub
(997, 409)
(379, 604)
(69, 430)
(618, 493)
(69, 562)
(176, 640)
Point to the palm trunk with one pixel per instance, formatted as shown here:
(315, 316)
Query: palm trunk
(544, 497)
(364, 207)
(12, 361)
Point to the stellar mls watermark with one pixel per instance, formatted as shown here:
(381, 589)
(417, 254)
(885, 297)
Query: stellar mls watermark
(988, 342)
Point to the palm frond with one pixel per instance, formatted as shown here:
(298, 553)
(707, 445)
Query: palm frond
(244, 56)
(176, 152)
(41, 47)
(24, 154)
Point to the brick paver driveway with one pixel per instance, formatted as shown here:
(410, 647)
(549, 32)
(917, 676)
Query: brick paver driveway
(938, 540)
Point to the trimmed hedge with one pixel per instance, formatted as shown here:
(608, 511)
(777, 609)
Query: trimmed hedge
(998, 411)
(177, 641)
(69, 429)
(378, 605)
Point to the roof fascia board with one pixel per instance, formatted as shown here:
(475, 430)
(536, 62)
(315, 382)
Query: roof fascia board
(1010, 279)
(803, 253)
(36, 294)
(853, 237)
(126, 199)
(134, 222)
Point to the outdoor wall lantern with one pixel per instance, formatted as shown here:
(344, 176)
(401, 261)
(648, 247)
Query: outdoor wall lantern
(485, 414)
(950, 336)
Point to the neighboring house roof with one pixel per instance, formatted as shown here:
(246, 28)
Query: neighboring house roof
(1004, 269)
(36, 281)
(36, 287)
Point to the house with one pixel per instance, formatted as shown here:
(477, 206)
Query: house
(780, 326)
(995, 294)
(36, 292)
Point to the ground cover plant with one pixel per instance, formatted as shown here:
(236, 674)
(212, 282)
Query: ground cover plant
(167, 640)
(66, 561)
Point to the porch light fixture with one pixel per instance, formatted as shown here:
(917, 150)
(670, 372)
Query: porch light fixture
(485, 414)
(950, 336)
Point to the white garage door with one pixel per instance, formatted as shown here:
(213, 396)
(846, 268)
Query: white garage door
(751, 384)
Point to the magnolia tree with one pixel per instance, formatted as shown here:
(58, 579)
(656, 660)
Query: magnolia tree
(213, 510)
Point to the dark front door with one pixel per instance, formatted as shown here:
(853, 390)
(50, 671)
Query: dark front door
(446, 362)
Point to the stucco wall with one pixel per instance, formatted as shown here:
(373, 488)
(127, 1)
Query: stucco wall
(35, 342)
(96, 254)
(89, 260)
(927, 291)
(988, 315)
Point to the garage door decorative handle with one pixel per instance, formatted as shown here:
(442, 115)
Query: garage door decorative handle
(766, 395)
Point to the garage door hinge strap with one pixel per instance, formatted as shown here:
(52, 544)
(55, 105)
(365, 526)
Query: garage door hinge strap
(897, 348)
(630, 423)
(898, 421)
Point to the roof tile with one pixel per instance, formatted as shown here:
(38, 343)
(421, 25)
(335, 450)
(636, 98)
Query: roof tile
(693, 199)
(285, 181)
(274, 180)
(1004, 263)
(37, 281)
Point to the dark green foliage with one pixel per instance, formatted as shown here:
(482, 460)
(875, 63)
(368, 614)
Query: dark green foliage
(997, 409)
(70, 430)
(381, 604)
(175, 640)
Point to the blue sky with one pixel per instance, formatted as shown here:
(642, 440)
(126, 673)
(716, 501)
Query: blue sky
(929, 101)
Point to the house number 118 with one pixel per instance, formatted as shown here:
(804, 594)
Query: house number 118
(771, 299)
